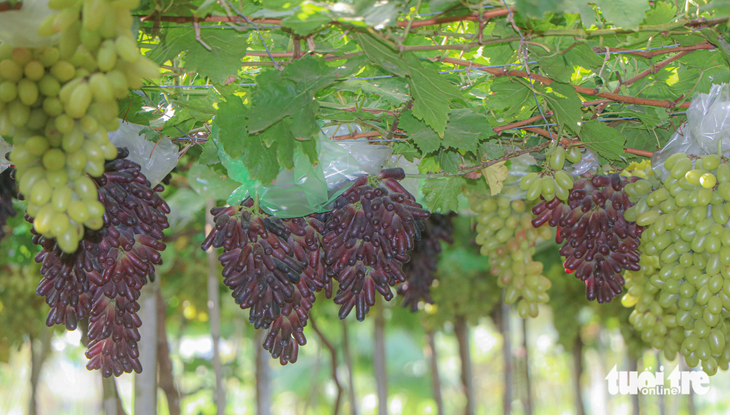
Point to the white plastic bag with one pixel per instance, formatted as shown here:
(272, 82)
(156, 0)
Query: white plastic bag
(156, 159)
(19, 28)
(707, 130)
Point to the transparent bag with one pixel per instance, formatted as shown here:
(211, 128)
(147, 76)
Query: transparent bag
(19, 28)
(707, 130)
(306, 189)
(157, 159)
(588, 163)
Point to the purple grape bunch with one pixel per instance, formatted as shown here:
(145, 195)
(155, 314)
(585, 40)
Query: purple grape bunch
(102, 279)
(420, 270)
(599, 242)
(7, 193)
(273, 268)
(373, 226)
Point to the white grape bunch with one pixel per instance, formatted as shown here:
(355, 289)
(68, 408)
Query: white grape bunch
(508, 238)
(58, 103)
(552, 181)
(687, 243)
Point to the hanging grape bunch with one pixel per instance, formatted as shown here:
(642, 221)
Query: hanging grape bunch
(508, 238)
(686, 218)
(7, 193)
(421, 268)
(599, 241)
(373, 226)
(552, 181)
(58, 103)
(656, 325)
(102, 279)
(273, 268)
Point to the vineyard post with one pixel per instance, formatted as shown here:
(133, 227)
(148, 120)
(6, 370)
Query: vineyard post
(379, 359)
(39, 350)
(691, 409)
(635, 406)
(164, 364)
(350, 368)
(435, 377)
(112, 403)
(214, 314)
(145, 383)
(461, 329)
(263, 376)
(528, 385)
(662, 403)
(506, 358)
(577, 353)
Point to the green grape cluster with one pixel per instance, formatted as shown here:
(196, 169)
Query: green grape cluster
(58, 103)
(687, 242)
(656, 325)
(507, 237)
(552, 181)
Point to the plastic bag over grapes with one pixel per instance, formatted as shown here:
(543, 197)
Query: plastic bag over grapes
(707, 130)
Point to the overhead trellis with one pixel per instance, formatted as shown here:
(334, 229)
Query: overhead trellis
(458, 86)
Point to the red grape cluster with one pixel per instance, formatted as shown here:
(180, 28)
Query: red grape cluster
(7, 193)
(372, 227)
(424, 260)
(599, 242)
(102, 279)
(273, 268)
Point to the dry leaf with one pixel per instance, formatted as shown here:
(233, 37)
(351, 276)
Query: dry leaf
(495, 176)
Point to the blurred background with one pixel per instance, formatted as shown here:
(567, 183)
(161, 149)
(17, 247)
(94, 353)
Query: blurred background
(466, 353)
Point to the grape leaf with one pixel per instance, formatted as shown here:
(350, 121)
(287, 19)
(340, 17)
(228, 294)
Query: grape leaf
(231, 118)
(261, 162)
(423, 136)
(538, 8)
(307, 19)
(465, 129)
(507, 94)
(495, 175)
(275, 99)
(311, 73)
(448, 160)
(490, 150)
(441, 194)
(432, 94)
(607, 142)
(623, 13)
(566, 105)
(209, 155)
(381, 54)
(228, 47)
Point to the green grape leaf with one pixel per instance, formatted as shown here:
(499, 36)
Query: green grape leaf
(566, 105)
(538, 8)
(423, 136)
(275, 99)
(490, 150)
(311, 73)
(208, 184)
(407, 150)
(307, 19)
(231, 118)
(227, 49)
(448, 160)
(209, 155)
(623, 13)
(607, 142)
(441, 194)
(381, 54)
(465, 130)
(432, 94)
(507, 94)
(261, 161)
(279, 138)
